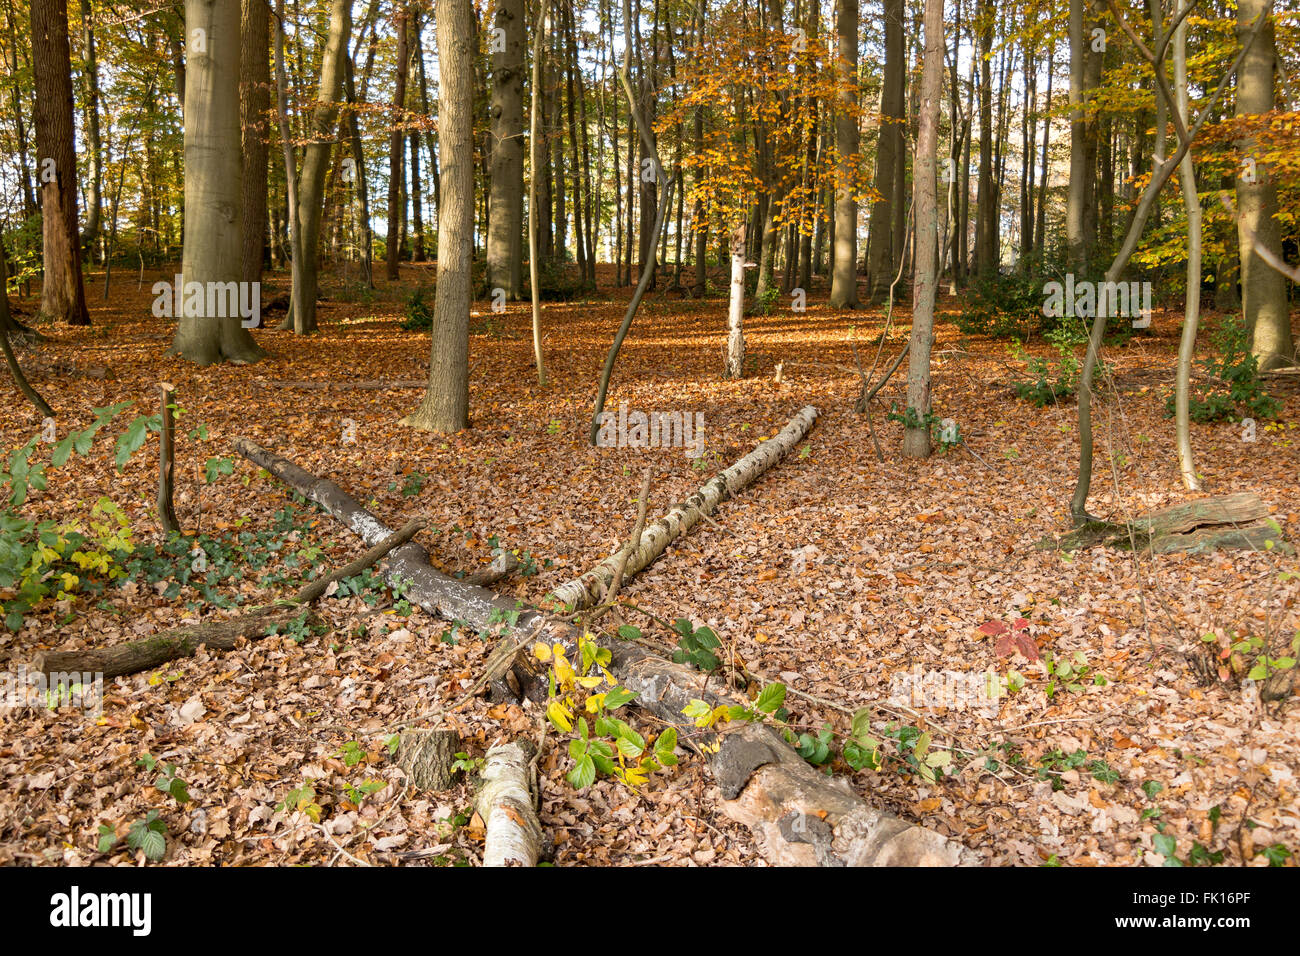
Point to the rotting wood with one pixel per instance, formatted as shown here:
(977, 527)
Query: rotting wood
(514, 834)
(150, 652)
(1223, 521)
(586, 590)
(223, 635)
(798, 815)
(427, 757)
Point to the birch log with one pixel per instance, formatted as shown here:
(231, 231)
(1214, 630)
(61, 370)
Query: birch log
(588, 589)
(514, 834)
(798, 816)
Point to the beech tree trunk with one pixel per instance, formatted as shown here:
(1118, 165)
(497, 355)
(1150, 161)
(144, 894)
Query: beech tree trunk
(1263, 289)
(844, 266)
(1192, 308)
(505, 205)
(213, 238)
(401, 18)
(254, 104)
(880, 257)
(446, 401)
(1076, 196)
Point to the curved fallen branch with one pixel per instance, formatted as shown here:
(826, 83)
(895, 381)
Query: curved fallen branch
(184, 641)
(586, 590)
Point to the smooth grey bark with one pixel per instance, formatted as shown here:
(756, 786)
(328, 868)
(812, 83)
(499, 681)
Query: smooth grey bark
(212, 251)
(254, 104)
(1076, 198)
(505, 204)
(1263, 289)
(401, 18)
(844, 264)
(880, 258)
(445, 407)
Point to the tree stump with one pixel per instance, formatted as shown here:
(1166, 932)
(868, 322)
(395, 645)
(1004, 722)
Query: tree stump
(427, 756)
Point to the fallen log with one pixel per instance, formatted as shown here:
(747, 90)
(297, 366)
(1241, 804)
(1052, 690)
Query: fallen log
(514, 834)
(408, 565)
(184, 641)
(799, 816)
(176, 642)
(587, 589)
(1223, 521)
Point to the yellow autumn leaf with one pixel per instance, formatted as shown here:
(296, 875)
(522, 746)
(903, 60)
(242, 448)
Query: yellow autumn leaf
(560, 716)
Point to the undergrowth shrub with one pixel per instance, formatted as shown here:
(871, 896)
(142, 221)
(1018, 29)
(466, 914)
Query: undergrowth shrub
(1235, 390)
(419, 310)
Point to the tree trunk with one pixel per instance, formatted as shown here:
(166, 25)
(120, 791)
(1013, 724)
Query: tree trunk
(889, 142)
(736, 307)
(534, 201)
(63, 296)
(916, 441)
(985, 208)
(514, 835)
(254, 104)
(446, 402)
(95, 188)
(1076, 198)
(844, 269)
(505, 204)
(212, 254)
(1263, 289)
(362, 183)
(401, 18)
(1192, 309)
(315, 164)
(587, 589)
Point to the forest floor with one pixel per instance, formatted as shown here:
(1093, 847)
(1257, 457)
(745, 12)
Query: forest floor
(834, 574)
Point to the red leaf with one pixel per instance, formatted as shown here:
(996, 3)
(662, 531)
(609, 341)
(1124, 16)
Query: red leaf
(993, 628)
(1027, 647)
(1020, 624)
(1005, 646)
